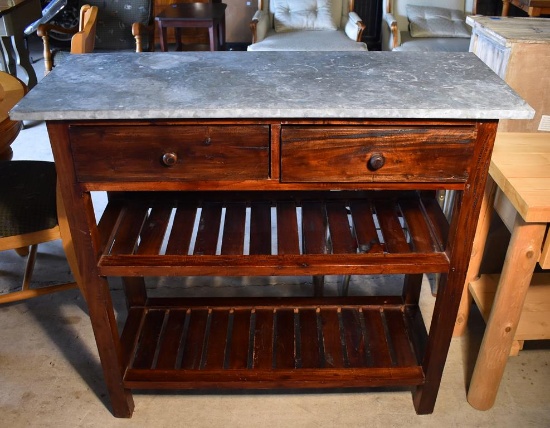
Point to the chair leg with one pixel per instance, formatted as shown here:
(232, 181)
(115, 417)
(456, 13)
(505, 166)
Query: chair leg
(29, 268)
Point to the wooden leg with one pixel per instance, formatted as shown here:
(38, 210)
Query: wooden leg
(213, 38)
(163, 33)
(505, 7)
(523, 253)
(480, 240)
(411, 289)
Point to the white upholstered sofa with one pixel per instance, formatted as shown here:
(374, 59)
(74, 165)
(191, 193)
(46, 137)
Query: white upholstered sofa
(306, 25)
(426, 25)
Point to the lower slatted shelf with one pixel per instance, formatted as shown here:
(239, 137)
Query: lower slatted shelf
(266, 343)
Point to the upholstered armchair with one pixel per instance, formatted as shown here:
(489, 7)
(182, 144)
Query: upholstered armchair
(306, 25)
(426, 25)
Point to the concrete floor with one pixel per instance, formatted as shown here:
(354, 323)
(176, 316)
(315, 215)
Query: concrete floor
(50, 373)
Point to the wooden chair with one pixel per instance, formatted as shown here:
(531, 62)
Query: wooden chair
(30, 214)
(83, 40)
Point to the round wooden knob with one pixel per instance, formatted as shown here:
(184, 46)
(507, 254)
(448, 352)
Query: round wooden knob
(376, 161)
(169, 159)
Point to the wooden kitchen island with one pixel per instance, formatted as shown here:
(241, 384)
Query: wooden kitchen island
(272, 163)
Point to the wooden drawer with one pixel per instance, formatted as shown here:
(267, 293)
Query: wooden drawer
(170, 153)
(376, 154)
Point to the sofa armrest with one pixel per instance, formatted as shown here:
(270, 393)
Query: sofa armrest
(393, 30)
(259, 26)
(354, 27)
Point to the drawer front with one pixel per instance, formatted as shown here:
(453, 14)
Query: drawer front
(376, 154)
(170, 153)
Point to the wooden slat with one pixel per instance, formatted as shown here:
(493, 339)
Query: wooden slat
(287, 228)
(109, 218)
(418, 229)
(314, 228)
(263, 339)
(194, 342)
(260, 228)
(340, 233)
(168, 348)
(148, 341)
(182, 229)
(240, 339)
(285, 339)
(233, 230)
(365, 229)
(310, 351)
(356, 348)
(378, 344)
(154, 229)
(127, 234)
(391, 229)
(215, 352)
(437, 221)
(400, 341)
(208, 229)
(331, 339)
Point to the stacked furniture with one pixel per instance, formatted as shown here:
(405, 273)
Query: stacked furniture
(424, 25)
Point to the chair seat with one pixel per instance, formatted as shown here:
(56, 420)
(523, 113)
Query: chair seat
(27, 197)
(330, 40)
(432, 44)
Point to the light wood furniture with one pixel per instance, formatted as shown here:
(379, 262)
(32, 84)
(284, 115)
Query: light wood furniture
(15, 15)
(193, 15)
(31, 214)
(264, 165)
(11, 91)
(531, 7)
(83, 40)
(520, 193)
(518, 50)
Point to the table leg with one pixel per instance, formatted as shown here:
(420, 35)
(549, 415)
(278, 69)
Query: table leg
(522, 255)
(213, 38)
(505, 7)
(8, 60)
(177, 35)
(163, 37)
(480, 239)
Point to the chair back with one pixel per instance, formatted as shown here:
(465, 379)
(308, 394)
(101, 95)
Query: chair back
(84, 40)
(399, 8)
(340, 9)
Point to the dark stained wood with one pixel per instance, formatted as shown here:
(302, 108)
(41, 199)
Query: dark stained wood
(392, 231)
(234, 228)
(149, 339)
(182, 229)
(217, 339)
(208, 229)
(240, 340)
(340, 232)
(152, 233)
(316, 167)
(287, 229)
(135, 153)
(365, 229)
(318, 154)
(195, 339)
(310, 350)
(168, 348)
(260, 228)
(263, 339)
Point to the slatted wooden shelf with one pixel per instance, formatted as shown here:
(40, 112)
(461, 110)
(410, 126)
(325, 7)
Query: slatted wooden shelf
(316, 233)
(293, 342)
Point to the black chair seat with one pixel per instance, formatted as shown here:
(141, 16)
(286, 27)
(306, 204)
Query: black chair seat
(27, 197)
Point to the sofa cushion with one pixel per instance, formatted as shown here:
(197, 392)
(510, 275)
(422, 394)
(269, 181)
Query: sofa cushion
(307, 41)
(427, 21)
(291, 15)
(432, 44)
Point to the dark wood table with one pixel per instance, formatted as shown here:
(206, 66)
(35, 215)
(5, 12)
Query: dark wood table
(15, 15)
(193, 15)
(531, 7)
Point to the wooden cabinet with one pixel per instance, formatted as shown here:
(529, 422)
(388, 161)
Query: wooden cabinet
(518, 50)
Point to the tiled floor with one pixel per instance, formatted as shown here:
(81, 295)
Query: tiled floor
(50, 373)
